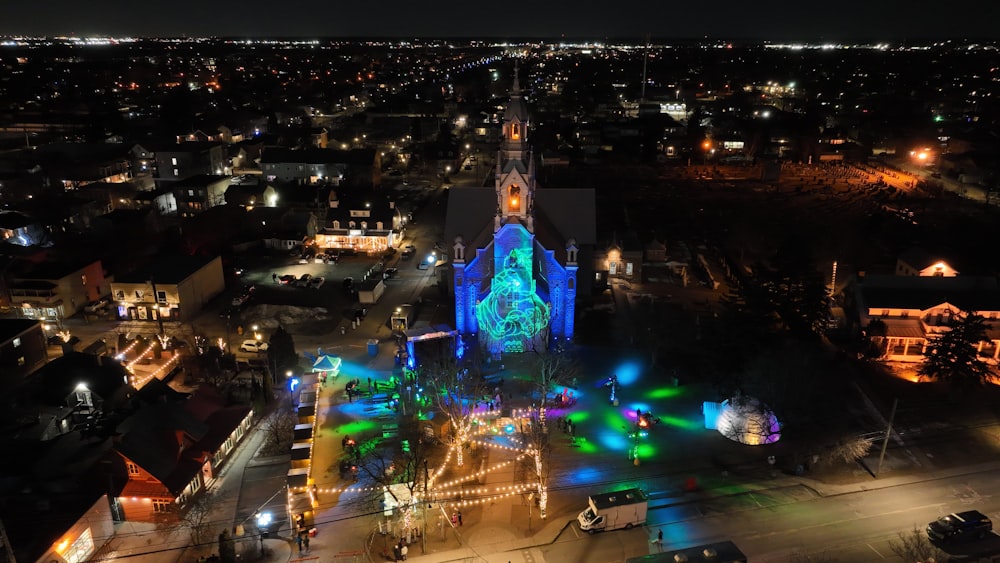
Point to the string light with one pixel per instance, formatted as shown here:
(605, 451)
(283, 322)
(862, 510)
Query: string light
(138, 382)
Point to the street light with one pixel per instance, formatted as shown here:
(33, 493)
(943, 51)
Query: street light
(263, 521)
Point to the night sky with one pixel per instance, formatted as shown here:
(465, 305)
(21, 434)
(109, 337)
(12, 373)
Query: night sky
(834, 20)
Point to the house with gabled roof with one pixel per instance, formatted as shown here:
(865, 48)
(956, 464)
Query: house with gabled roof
(913, 309)
(173, 447)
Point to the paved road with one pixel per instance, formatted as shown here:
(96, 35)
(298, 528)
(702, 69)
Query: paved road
(778, 524)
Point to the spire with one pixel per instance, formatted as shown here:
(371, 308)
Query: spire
(515, 90)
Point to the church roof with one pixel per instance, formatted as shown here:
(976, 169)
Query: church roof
(572, 211)
(514, 164)
(469, 211)
(562, 214)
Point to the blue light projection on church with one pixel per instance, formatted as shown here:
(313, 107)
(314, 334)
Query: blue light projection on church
(514, 293)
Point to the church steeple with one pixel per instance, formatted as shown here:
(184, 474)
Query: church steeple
(515, 178)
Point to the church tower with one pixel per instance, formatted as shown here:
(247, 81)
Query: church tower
(515, 175)
(514, 291)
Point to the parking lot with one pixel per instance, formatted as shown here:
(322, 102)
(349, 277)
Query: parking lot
(262, 272)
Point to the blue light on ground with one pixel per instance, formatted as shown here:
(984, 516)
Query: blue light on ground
(584, 474)
(613, 440)
(627, 372)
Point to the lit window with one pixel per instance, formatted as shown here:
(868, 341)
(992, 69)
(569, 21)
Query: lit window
(83, 279)
(133, 469)
(173, 161)
(176, 172)
(17, 342)
(20, 361)
(161, 505)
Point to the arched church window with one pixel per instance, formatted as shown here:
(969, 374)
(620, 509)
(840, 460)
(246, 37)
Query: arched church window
(571, 283)
(364, 225)
(351, 225)
(336, 224)
(514, 198)
(515, 131)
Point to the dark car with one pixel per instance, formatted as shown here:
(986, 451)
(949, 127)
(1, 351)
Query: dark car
(959, 526)
(390, 273)
(348, 283)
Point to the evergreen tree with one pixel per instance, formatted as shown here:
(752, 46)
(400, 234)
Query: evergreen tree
(281, 355)
(227, 547)
(952, 356)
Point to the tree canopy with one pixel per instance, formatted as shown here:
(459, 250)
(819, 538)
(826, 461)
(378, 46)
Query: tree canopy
(953, 357)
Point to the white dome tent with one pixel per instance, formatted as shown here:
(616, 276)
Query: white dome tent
(747, 421)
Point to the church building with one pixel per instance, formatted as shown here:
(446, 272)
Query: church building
(519, 250)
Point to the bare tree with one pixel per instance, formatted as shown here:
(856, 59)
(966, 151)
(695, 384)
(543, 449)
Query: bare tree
(913, 546)
(538, 448)
(279, 432)
(458, 395)
(849, 450)
(197, 519)
(555, 367)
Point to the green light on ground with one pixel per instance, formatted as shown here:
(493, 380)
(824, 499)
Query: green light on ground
(646, 451)
(682, 423)
(356, 427)
(578, 416)
(664, 393)
(586, 447)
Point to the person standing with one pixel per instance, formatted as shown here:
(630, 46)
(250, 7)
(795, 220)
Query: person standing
(659, 539)
(459, 517)
(403, 551)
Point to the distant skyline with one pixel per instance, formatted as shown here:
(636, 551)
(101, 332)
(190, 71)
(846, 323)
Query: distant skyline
(842, 20)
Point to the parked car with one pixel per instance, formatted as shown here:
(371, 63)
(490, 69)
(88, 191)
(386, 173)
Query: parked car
(287, 278)
(348, 283)
(316, 282)
(302, 281)
(960, 526)
(253, 346)
(240, 300)
(96, 306)
(390, 273)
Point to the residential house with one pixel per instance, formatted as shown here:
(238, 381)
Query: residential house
(81, 526)
(173, 447)
(71, 165)
(184, 160)
(73, 393)
(359, 167)
(368, 223)
(250, 195)
(171, 288)
(913, 309)
(22, 350)
(163, 200)
(620, 260)
(198, 193)
(917, 262)
(53, 291)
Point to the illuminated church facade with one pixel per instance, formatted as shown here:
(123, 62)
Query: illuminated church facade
(517, 249)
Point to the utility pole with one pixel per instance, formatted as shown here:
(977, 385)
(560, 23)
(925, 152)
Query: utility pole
(888, 432)
(156, 305)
